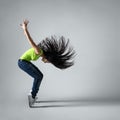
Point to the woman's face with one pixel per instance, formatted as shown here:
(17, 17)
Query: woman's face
(44, 60)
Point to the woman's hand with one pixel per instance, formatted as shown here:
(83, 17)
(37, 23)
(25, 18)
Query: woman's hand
(24, 24)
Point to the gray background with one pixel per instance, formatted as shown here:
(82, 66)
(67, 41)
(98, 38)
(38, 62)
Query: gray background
(93, 27)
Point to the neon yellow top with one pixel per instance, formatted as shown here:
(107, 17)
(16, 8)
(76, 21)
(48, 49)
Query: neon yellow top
(31, 55)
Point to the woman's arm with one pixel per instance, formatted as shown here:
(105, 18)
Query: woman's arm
(27, 34)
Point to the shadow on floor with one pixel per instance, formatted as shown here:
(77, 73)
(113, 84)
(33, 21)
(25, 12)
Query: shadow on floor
(73, 103)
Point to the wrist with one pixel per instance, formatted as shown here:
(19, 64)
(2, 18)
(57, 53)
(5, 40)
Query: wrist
(25, 30)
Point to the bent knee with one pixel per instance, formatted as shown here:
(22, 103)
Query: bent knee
(40, 75)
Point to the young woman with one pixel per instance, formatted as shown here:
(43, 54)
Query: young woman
(51, 50)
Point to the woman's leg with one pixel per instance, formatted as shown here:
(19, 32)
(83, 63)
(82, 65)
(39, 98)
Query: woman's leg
(34, 72)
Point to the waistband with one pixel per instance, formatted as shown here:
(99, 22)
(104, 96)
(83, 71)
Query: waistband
(22, 60)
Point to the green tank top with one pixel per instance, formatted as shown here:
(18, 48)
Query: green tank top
(31, 55)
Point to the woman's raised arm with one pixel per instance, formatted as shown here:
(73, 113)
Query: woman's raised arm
(27, 34)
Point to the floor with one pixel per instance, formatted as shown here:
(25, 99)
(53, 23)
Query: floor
(59, 109)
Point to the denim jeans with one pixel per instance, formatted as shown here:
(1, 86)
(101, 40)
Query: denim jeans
(34, 72)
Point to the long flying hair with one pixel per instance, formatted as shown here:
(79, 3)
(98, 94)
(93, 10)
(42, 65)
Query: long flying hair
(58, 52)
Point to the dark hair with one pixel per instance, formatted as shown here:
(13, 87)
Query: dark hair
(58, 52)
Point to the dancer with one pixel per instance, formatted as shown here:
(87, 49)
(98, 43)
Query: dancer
(57, 52)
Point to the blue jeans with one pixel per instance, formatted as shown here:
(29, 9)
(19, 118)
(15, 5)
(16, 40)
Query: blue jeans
(34, 72)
